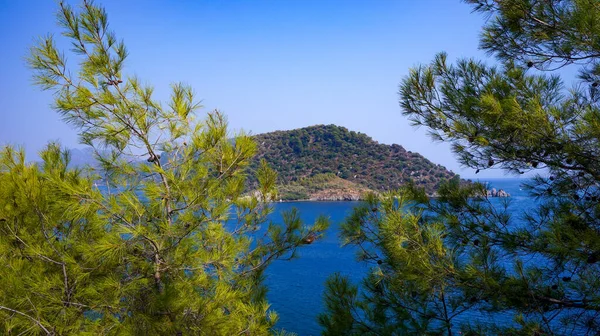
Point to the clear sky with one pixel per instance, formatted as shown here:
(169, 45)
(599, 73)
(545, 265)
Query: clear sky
(268, 65)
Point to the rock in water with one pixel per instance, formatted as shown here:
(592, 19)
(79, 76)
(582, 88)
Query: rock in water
(497, 193)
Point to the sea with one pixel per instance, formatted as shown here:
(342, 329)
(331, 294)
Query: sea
(295, 287)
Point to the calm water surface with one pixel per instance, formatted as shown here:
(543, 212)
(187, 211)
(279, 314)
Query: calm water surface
(296, 287)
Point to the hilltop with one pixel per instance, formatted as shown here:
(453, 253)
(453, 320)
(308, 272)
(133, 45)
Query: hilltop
(330, 162)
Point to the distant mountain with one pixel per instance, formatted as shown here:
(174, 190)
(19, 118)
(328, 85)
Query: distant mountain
(81, 157)
(331, 162)
(328, 162)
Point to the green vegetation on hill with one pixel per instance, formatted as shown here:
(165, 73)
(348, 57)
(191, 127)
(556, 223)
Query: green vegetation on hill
(355, 157)
(322, 187)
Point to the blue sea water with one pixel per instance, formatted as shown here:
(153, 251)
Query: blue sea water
(296, 287)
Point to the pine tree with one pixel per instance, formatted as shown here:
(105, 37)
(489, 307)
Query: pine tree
(160, 238)
(435, 262)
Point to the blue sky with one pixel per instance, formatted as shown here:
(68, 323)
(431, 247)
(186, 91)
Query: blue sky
(268, 65)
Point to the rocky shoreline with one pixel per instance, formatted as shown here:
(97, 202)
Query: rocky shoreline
(352, 196)
(337, 195)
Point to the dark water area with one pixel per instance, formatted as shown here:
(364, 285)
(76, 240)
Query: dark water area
(296, 287)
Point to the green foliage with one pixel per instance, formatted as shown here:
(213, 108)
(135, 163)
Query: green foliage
(458, 254)
(411, 285)
(165, 243)
(314, 186)
(301, 154)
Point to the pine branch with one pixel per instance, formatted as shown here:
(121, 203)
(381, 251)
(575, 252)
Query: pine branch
(38, 322)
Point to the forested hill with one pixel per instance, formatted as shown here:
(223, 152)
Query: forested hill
(313, 159)
(330, 163)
